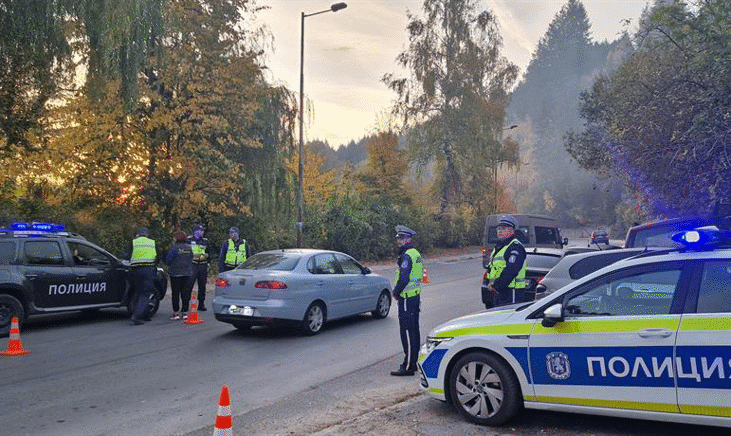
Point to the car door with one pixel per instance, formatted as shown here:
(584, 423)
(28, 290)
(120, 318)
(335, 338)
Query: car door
(102, 278)
(703, 350)
(48, 274)
(363, 292)
(614, 348)
(332, 285)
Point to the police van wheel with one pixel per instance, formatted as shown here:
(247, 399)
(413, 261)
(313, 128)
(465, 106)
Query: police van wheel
(484, 389)
(10, 307)
(383, 306)
(314, 319)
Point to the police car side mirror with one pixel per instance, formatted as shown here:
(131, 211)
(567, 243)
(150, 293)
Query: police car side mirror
(552, 315)
(366, 270)
(565, 241)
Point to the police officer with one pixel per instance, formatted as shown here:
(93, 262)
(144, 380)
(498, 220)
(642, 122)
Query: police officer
(143, 260)
(234, 252)
(201, 258)
(407, 292)
(507, 267)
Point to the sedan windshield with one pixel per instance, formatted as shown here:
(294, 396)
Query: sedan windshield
(273, 261)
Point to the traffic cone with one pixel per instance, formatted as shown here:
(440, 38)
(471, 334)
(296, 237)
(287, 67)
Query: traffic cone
(15, 348)
(223, 418)
(424, 277)
(193, 315)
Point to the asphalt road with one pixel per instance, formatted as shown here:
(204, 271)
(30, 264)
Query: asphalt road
(97, 375)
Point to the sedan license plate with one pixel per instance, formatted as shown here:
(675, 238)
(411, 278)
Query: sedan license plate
(245, 310)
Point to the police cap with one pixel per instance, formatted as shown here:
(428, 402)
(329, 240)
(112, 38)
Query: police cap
(233, 230)
(404, 232)
(199, 227)
(142, 231)
(507, 220)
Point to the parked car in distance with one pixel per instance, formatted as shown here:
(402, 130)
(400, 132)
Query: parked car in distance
(539, 262)
(532, 231)
(576, 266)
(599, 236)
(302, 287)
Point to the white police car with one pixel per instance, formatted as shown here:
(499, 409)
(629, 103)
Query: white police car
(647, 337)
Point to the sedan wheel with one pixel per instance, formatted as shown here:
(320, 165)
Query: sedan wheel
(484, 389)
(382, 306)
(314, 319)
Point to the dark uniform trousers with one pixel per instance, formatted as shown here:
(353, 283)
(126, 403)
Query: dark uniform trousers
(144, 278)
(408, 319)
(506, 296)
(200, 275)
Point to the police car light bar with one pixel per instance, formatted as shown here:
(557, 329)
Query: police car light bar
(36, 227)
(702, 237)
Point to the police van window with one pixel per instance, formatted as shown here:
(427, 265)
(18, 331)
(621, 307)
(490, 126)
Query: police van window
(7, 252)
(646, 293)
(43, 253)
(348, 265)
(87, 255)
(546, 235)
(714, 295)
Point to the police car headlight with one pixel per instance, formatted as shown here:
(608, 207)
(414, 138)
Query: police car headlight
(432, 343)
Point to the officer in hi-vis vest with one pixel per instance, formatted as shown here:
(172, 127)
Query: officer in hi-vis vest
(407, 292)
(507, 267)
(201, 258)
(233, 252)
(143, 260)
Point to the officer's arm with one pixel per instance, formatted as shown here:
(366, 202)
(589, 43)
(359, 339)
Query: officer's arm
(514, 258)
(404, 275)
(248, 249)
(222, 256)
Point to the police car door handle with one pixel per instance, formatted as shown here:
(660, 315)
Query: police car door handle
(654, 333)
(31, 276)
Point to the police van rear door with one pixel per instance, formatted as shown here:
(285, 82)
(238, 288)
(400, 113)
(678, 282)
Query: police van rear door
(48, 273)
(615, 347)
(704, 343)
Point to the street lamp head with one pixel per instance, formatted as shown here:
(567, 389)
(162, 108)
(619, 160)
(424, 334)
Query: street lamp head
(514, 126)
(337, 6)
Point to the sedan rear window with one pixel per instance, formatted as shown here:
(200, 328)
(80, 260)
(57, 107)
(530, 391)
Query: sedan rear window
(537, 260)
(273, 261)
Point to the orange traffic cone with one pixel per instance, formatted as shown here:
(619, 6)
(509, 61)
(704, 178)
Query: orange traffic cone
(15, 348)
(424, 277)
(223, 418)
(193, 315)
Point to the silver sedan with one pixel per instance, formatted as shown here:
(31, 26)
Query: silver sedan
(304, 287)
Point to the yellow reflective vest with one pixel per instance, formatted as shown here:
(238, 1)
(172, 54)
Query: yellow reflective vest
(498, 264)
(235, 256)
(143, 252)
(413, 288)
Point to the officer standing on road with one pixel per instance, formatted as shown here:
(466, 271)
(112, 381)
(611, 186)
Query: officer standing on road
(507, 267)
(201, 258)
(407, 292)
(234, 252)
(143, 260)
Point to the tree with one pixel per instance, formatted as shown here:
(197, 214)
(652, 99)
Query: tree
(455, 98)
(387, 166)
(663, 120)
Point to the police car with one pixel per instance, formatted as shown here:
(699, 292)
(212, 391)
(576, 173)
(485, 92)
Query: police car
(46, 269)
(647, 337)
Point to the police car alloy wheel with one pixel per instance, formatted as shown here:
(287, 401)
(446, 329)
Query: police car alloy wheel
(314, 319)
(484, 389)
(383, 305)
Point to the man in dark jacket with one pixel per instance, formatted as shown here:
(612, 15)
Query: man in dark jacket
(506, 272)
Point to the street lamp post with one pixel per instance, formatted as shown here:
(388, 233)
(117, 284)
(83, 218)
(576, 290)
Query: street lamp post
(300, 192)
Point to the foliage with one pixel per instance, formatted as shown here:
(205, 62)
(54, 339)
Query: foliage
(544, 105)
(387, 166)
(663, 119)
(456, 95)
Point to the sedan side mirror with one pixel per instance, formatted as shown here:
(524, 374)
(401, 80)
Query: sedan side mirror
(553, 315)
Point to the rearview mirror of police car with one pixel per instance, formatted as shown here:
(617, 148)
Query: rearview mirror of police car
(552, 315)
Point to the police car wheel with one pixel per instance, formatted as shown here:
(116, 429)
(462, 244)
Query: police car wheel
(314, 319)
(10, 307)
(383, 306)
(484, 389)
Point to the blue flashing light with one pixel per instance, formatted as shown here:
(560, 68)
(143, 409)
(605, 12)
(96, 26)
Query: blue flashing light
(37, 227)
(702, 237)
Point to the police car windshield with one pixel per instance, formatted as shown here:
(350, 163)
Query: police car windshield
(271, 261)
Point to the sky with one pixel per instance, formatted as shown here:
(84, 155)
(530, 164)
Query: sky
(347, 53)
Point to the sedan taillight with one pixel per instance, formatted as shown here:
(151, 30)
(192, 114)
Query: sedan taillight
(223, 283)
(270, 284)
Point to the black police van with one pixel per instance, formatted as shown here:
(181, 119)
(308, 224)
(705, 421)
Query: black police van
(46, 269)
